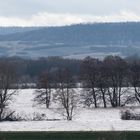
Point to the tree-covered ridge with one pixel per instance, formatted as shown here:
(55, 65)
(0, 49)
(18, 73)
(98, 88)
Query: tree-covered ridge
(97, 33)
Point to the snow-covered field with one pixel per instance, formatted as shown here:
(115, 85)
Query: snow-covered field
(84, 120)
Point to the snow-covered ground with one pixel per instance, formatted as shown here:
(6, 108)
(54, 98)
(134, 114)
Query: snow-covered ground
(84, 120)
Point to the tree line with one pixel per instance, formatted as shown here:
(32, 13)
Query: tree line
(113, 81)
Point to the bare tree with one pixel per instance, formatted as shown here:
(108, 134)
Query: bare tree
(43, 95)
(134, 77)
(102, 84)
(7, 79)
(90, 72)
(116, 71)
(65, 94)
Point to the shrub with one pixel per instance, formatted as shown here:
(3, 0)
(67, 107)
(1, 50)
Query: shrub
(130, 115)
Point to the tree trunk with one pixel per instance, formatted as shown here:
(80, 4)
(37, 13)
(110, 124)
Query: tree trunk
(103, 96)
(94, 97)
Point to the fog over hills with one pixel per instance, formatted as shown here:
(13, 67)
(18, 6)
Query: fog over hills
(76, 41)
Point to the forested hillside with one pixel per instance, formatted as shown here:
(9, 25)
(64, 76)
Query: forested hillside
(75, 41)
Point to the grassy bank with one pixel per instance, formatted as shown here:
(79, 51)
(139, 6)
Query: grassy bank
(69, 135)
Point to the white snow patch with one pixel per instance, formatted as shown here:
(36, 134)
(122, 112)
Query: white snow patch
(85, 120)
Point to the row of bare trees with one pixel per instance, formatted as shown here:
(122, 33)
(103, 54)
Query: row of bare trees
(113, 81)
(110, 80)
(64, 95)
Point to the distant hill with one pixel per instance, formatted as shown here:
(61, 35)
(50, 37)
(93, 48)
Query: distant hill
(77, 41)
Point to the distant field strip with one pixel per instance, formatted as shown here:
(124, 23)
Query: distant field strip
(135, 135)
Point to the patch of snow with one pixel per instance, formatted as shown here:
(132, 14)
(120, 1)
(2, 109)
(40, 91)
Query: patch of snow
(85, 119)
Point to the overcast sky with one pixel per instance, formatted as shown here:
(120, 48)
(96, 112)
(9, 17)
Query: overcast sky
(65, 12)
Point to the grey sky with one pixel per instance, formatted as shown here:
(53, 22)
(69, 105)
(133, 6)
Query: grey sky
(24, 9)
